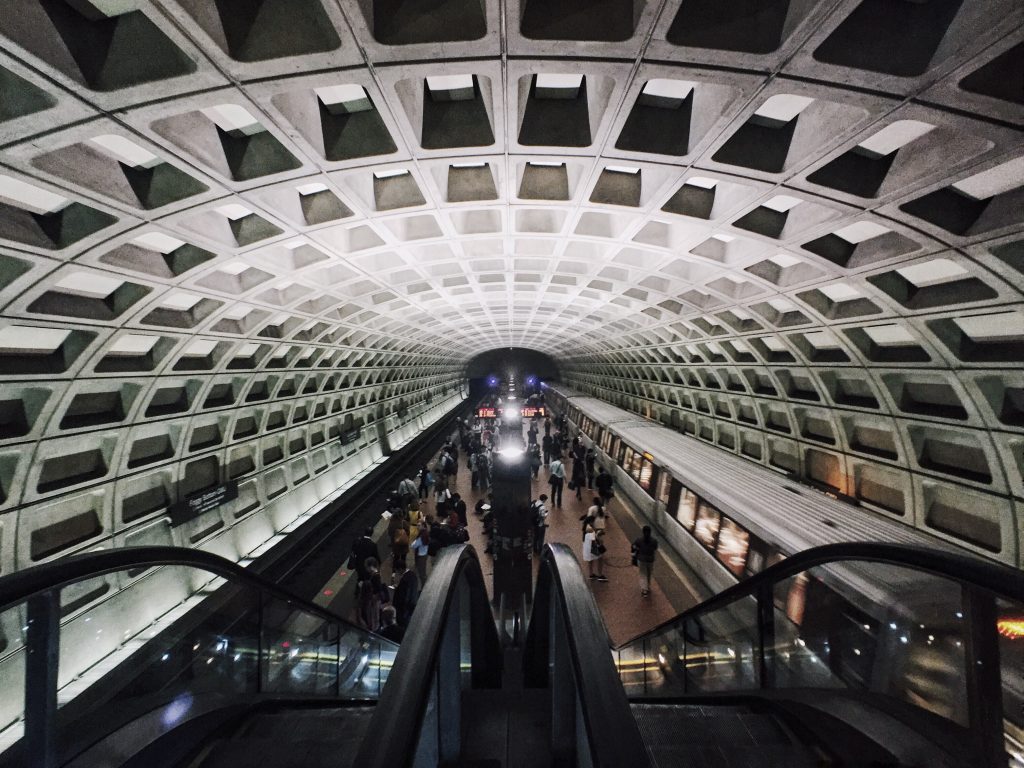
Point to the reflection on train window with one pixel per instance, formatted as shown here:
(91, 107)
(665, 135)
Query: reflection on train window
(733, 545)
(626, 459)
(686, 510)
(708, 522)
(664, 487)
(648, 473)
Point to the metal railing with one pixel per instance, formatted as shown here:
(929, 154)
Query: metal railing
(194, 632)
(927, 633)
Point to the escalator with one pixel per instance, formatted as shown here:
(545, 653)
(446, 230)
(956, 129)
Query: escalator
(847, 655)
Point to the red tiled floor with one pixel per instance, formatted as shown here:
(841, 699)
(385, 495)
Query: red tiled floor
(625, 612)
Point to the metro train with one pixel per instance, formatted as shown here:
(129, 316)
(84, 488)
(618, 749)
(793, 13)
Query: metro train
(850, 625)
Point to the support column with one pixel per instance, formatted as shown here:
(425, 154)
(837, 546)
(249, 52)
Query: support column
(42, 659)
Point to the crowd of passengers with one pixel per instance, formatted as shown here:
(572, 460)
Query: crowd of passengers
(416, 534)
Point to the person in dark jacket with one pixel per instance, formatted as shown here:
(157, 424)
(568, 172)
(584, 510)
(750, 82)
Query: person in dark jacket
(644, 550)
(547, 443)
(459, 508)
(604, 483)
(407, 593)
(389, 626)
(578, 478)
(590, 462)
(363, 549)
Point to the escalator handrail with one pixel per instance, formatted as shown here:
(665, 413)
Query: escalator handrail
(21, 585)
(992, 577)
(612, 732)
(393, 732)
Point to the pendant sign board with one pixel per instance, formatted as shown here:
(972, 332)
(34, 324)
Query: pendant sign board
(202, 502)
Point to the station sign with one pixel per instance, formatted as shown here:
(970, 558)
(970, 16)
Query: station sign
(201, 502)
(532, 411)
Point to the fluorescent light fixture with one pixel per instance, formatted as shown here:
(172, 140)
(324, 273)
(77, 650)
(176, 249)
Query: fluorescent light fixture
(29, 197)
(233, 211)
(180, 301)
(88, 284)
(783, 107)
(860, 231)
(934, 272)
(125, 151)
(994, 181)
(894, 136)
(158, 241)
(232, 117)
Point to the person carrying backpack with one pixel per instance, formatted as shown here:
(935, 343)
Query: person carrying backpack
(604, 483)
(556, 478)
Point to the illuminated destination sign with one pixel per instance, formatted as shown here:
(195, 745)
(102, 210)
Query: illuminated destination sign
(532, 411)
(486, 413)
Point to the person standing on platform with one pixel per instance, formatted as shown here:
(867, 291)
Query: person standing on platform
(363, 549)
(547, 443)
(535, 460)
(531, 435)
(593, 552)
(590, 462)
(578, 478)
(421, 550)
(407, 592)
(644, 550)
(389, 626)
(604, 483)
(547, 425)
(408, 490)
(459, 508)
(556, 477)
(426, 482)
(540, 522)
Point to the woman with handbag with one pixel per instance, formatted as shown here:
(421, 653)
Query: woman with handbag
(593, 552)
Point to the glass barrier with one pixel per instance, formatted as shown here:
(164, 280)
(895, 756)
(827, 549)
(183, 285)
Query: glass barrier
(161, 645)
(898, 633)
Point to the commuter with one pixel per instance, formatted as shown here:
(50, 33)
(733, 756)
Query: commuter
(604, 483)
(644, 550)
(531, 434)
(408, 490)
(389, 627)
(587, 518)
(407, 593)
(441, 492)
(579, 452)
(474, 473)
(593, 552)
(556, 478)
(484, 468)
(535, 460)
(578, 478)
(363, 549)
(547, 443)
(415, 517)
(398, 535)
(590, 461)
(540, 522)
(488, 501)
(421, 549)
(459, 509)
(426, 482)
(372, 593)
(547, 426)
(453, 453)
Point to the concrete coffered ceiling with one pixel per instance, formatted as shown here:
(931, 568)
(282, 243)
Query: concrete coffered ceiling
(790, 228)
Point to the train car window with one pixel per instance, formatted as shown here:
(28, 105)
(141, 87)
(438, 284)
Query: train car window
(756, 556)
(626, 459)
(733, 546)
(599, 436)
(647, 475)
(709, 520)
(686, 508)
(636, 465)
(664, 487)
(619, 451)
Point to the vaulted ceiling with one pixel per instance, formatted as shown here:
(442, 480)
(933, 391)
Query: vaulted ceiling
(790, 228)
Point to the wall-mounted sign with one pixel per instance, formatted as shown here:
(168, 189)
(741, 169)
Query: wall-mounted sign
(486, 413)
(350, 435)
(201, 502)
(533, 411)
